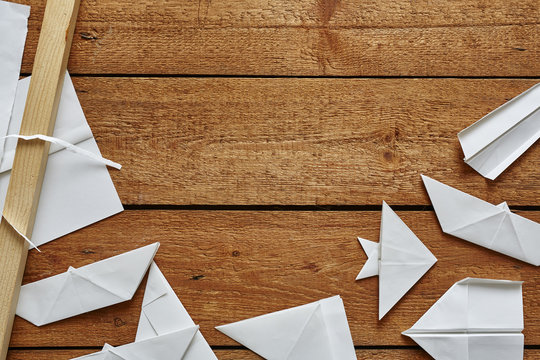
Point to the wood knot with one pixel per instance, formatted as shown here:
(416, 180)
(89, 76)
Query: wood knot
(197, 277)
(236, 253)
(118, 322)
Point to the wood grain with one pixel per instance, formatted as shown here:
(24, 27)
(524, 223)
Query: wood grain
(309, 37)
(230, 265)
(21, 201)
(405, 354)
(297, 141)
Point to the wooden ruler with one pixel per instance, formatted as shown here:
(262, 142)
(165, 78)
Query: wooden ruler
(31, 156)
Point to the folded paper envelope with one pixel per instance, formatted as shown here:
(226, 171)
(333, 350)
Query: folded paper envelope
(492, 226)
(77, 291)
(13, 27)
(476, 319)
(77, 191)
(171, 346)
(163, 313)
(400, 259)
(494, 142)
(315, 331)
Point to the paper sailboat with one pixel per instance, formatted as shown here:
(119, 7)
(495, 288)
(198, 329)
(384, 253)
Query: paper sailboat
(494, 142)
(170, 346)
(476, 319)
(163, 313)
(315, 331)
(400, 259)
(77, 291)
(492, 226)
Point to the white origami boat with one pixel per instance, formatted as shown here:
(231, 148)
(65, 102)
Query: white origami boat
(315, 331)
(400, 259)
(476, 319)
(494, 142)
(492, 226)
(163, 313)
(77, 291)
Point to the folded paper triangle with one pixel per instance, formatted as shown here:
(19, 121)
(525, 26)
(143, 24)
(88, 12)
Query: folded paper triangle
(492, 226)
(314, 331)
(162, 313)
(400, 259)
(476, 319)
(94, 286)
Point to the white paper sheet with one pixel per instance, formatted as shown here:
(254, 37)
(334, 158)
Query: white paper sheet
(492, 226)
(494, 142)
(77, 291)
(77, 191)
(476, 319)
(163, 313)
(315, 331)
(13, 30)
(400, 259)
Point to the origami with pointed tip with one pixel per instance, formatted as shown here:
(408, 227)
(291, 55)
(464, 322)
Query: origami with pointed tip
(400, 259)
(162, 313)
(171, 346)
(492, 226)
(77, 291)
(494, 142)
(315, 331)
(476, 319)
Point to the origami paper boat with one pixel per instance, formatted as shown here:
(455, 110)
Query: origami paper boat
(77, 291)
(163, 313)
(494, 142)
(492, 226)
(315, 331)
(171, 346)
(400, 259)
(476, 319)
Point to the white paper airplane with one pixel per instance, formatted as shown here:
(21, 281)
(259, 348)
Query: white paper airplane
(492, 226)
(400, 259)
(476, 319)
(163, 313)
(494, 142)
(315, 331)
(171, 346)
(77, 291)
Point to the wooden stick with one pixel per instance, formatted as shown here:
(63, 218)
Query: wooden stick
(30, 160)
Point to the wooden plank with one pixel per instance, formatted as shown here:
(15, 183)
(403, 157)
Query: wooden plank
(384, 354)
(231, 265)
(26, 177)
(297, 141)
(308, 37)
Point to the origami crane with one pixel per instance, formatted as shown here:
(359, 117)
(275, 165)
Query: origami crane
(315, 331)
(476, 319)
(400, 259)
(492, 226)
(494, 142)
(171, 346)
(77, 291)
(163, 313)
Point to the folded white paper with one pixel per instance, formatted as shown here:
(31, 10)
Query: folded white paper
(77, 291)
(494, 142)
(171, 346)
(163, 313)
(13, 30)
(476, 319)
(492, 226)
(77, 191)
(315, 331)
(399, 258)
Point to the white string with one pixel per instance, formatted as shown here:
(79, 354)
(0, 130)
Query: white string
(21, 234)
(68, 146)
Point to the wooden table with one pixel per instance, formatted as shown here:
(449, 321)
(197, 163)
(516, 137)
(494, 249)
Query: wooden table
(260, 137)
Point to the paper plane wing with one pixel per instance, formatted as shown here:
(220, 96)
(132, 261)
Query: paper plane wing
(87, 288)
(494, 142)
(162, 313)
(371, 267)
